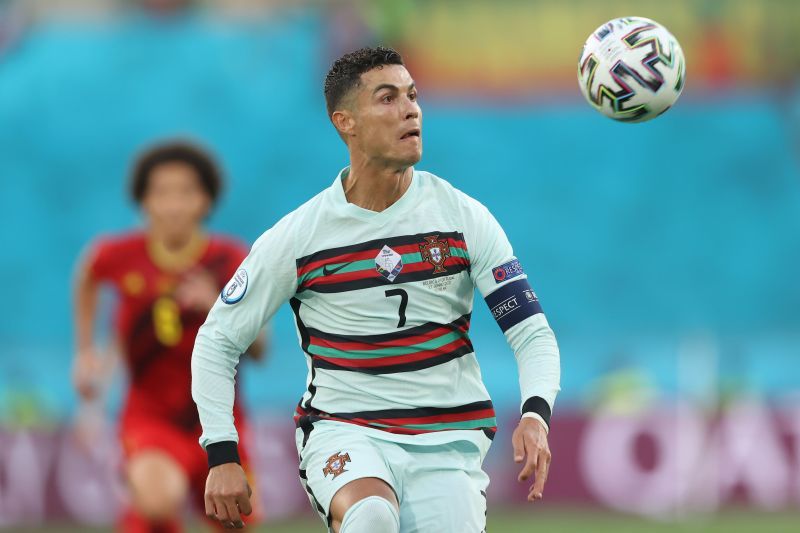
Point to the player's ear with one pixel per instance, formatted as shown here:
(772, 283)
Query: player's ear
(343, 121)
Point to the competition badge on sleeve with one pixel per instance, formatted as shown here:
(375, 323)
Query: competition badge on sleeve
(507, 271)
(435, 252)
(388, 263)
(236, 288)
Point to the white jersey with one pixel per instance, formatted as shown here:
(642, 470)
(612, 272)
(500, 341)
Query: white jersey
(382, 303)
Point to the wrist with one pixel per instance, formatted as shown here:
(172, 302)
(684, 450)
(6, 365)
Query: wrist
(539, 419)
(538, 406)
(222, 452)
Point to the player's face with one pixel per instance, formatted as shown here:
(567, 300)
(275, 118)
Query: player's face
(175, 201)
(387, 116)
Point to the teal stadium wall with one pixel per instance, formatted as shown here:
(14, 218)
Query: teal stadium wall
(638, 238)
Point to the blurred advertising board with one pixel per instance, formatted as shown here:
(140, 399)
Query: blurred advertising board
(667, 462)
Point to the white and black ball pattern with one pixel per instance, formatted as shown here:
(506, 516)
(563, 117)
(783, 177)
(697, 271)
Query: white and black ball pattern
(631, 69)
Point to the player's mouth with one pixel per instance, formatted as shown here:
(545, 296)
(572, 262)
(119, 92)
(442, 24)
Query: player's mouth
(411, 133)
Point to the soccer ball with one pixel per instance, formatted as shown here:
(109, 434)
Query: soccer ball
(631, 69)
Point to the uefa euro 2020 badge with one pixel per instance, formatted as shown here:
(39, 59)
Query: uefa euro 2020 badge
(335, 464)
(236, 288)
(388, 263)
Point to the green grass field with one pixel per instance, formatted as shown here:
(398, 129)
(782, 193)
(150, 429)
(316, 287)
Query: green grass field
(557, 521)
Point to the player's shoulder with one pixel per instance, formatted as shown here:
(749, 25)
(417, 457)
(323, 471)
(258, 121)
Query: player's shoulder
(288, 226)
(311, 207)
(226, 244)
(437, 187)
(127, 241)
(107, 253)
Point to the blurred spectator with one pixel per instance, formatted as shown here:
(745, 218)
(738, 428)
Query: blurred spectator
(165, 7)
(13, 21)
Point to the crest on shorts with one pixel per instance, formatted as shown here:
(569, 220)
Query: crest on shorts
(435, 252)
(336, 464)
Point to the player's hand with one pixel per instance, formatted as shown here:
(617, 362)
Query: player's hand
(85, 374)
(227, 495)
(530, 445)
(197, 291)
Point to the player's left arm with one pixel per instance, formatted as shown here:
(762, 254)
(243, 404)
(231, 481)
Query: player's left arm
(500, 278)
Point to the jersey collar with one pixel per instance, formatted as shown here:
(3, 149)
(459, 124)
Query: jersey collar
(403, 204)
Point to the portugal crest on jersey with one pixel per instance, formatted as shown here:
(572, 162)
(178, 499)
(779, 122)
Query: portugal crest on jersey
(336, 464)
(435, 252)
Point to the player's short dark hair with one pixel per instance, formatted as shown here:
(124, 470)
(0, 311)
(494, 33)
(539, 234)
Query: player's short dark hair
(345, 73)
(200, 160)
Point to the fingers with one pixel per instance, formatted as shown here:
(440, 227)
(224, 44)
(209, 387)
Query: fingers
(221, 511)
(185, 293)
(542, 470)
(211, 511)
(519, 446)
(532, 446)
(227, 512)
(234, 518)
(197, 291)
(531, 460)
(243, 502)
(227, 495)
(86, 391)
(84, 375)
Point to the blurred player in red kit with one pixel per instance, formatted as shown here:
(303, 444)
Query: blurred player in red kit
(167, 276)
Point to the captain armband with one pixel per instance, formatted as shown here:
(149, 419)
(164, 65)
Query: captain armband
(512, 303)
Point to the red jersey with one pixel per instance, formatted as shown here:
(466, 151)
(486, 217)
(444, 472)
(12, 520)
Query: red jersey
(156, 334)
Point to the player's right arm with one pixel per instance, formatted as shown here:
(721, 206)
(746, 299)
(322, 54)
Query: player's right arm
(265, 279)
(86, 365)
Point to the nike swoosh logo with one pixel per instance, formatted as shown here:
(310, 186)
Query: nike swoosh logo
(327, 272)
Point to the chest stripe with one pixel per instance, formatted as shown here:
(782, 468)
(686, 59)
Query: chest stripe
(387, 339)
(414, 421)
(369, 249)
(412, 349)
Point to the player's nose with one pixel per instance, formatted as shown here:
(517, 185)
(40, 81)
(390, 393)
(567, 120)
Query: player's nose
(412, 109)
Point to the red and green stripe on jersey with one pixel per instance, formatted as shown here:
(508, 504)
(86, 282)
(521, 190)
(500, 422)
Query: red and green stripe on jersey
(345, 268)
(414, 421)
(415, 348)
(408, 350)
(423, 256)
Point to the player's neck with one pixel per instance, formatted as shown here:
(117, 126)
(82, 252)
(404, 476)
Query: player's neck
(171, 241)
(175, 252)
(374, 187)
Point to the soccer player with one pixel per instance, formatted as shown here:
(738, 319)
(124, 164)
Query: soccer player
(166, 276)
(380, 270)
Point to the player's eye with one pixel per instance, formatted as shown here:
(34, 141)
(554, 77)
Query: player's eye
(412, 96)
(387, 99)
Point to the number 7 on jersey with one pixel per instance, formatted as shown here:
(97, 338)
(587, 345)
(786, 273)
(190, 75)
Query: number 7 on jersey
(403, 304)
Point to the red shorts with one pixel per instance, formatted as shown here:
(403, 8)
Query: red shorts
(139, 434)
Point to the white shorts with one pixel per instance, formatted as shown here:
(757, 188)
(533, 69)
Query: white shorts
(441, 488)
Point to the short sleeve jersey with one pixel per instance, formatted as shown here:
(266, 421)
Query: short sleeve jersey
(155, 333)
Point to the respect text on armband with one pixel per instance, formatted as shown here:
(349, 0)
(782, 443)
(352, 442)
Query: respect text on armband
(513, 303)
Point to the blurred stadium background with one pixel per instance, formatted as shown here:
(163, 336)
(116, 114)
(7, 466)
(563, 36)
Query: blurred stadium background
(665, 254)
